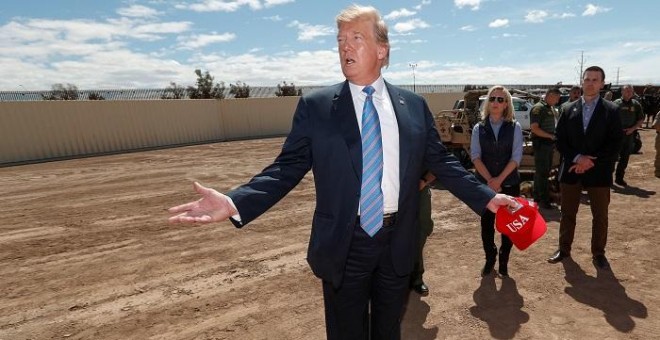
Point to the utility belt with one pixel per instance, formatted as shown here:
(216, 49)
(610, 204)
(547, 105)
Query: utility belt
(542, 140)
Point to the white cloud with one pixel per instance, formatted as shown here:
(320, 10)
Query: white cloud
(513, 35)
(468, 28)
(473, 4)
(536, 16)
(201, 40)
(410, 25)
(563, 15)
(302, 68)
(399, 14)
(154, 31)
(499, 23)
(592, 9)
(274, 18)
(138, 11)
(422, 4)
(230, 6)
(642, 47)
(271, 3)
(85, 30)
(310, 32)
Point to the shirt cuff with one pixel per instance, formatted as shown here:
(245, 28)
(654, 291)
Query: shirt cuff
(236, 217)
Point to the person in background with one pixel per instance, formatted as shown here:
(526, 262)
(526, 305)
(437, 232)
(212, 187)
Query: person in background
(573, 94)
(608, 95)
(425, 229)
(496, 152)
(651, 98)
(632, 118)
(656, 126)
(542, 125)
(588, 137)
(366, 142)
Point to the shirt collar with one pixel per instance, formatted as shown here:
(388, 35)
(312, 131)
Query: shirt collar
(378, 85)
(591, 103)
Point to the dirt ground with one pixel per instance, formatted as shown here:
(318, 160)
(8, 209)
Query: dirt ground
(86, 253)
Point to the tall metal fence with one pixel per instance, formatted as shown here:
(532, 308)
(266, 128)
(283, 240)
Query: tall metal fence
(255, 92)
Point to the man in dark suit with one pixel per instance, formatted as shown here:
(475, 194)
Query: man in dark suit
(588, 136)
(365, 268)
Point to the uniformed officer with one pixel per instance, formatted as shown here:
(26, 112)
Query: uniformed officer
(573, 95)
(542, 120)
(425, 229)
(632, 117)
(656, 126)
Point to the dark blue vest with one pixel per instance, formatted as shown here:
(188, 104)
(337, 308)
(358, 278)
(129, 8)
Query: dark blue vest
(496, 153)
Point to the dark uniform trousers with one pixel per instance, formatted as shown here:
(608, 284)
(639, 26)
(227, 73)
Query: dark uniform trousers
(657, 155)
(425, 229)
(599, 201)
(542, 163)
(627, 145)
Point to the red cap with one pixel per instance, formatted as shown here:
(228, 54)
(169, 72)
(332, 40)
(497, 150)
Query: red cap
(522, 224)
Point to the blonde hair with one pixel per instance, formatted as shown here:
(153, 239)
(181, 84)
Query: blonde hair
(507, 115)
(367, 13)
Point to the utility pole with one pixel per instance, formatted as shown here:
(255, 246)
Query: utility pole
(413, 66)
(581, 66)
(617, 75)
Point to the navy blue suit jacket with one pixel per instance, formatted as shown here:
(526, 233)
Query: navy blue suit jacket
(325, 138)
(602, 139)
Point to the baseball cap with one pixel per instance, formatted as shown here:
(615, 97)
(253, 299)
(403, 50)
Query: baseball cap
(523, 224)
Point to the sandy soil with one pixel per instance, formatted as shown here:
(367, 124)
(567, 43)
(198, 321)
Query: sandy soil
(86, 253)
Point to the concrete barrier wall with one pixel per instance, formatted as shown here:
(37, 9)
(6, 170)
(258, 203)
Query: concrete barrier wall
(48, 130)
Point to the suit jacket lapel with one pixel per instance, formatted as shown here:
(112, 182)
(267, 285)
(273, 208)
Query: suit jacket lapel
(343, 111)
(577, 112)
(403, 122)
(595, 116)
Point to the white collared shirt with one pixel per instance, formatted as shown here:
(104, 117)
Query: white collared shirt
(390, 133)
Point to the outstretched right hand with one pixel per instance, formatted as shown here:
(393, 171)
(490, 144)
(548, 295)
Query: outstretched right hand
(212, 207)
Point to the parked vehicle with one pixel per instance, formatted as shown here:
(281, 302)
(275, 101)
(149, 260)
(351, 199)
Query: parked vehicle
(521, 110)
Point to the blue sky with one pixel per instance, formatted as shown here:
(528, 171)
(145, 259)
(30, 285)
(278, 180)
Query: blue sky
(150, 43)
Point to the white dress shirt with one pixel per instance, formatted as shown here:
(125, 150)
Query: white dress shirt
(390, 134)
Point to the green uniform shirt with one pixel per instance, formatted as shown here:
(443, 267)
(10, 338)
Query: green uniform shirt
(631, 112)
(544, 116)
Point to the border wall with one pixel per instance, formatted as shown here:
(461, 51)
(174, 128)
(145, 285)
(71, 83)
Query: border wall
(37, 131)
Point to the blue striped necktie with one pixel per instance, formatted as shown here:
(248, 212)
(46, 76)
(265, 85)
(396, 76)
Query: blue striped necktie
(371, 194)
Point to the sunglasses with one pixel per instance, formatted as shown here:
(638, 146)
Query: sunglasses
(499, 99)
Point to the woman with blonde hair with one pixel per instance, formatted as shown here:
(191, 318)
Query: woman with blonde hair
(496, 152)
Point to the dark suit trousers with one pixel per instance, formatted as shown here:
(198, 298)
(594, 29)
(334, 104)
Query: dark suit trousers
(599, 200)
(371, 292)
